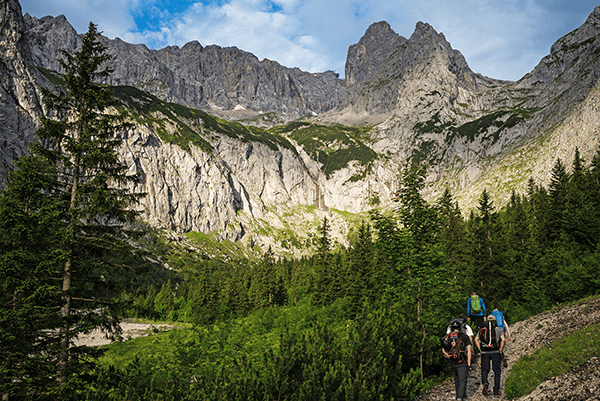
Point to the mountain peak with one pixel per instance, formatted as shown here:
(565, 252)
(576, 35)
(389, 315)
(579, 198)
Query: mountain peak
(426, 33)
(372, 50)
(377, 27)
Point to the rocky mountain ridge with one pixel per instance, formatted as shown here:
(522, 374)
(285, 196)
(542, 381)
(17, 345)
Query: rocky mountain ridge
(208, 77)
(402, 101)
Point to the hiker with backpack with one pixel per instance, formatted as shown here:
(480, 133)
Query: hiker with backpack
(501, 322)
(457, 348)
(465, 328)
(476, 308)
(490, 342)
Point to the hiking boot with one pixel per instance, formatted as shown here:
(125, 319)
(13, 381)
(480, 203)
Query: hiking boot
(498, 393)
(485, 390)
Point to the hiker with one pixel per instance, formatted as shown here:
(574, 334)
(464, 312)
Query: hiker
(490, 342)
(457, 348)
(476, 308)
(501, 322)
(465, 328)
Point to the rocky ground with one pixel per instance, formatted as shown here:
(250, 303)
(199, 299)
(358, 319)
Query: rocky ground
(131, 329)
(582, 383)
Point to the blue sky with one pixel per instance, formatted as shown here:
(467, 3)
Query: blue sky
(502, 39)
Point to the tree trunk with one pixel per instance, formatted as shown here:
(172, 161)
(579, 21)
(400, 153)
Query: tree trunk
(65, 310)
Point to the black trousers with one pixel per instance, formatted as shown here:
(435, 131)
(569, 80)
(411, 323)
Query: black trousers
(496, 362)
(461, 372)
(477, 318)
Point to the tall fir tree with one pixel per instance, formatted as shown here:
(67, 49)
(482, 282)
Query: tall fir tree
(75, 182)
(322, 265)
(583, 226)
(452, 234)
(558, 191)
(423, 285)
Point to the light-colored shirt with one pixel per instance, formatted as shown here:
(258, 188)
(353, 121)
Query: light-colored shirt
(468, 330)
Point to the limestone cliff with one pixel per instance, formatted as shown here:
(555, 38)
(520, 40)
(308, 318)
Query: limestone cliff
(19, 99)
(413, 100)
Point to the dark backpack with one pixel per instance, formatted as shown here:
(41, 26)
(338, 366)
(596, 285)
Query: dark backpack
(487, 337)
(457, 322)
(454, 346)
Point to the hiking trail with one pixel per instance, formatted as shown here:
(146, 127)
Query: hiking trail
(582, 383)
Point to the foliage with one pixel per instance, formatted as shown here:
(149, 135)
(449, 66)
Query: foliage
(297, 353)
(333, 146)
(63, 238)
(553, 360)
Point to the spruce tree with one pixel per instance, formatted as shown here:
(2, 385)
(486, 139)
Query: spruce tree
(74, 184)
(559, 187)
(452, 231)
(581, 217)
(322, 265)
(425, 289)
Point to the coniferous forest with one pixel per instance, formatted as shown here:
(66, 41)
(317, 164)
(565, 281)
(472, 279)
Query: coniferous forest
(360, 323)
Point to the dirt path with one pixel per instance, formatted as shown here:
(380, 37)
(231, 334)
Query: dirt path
(527, 336)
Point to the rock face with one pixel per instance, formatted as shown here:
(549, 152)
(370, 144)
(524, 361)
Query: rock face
(197, 76)
(19, 100)
(424, 103)
(369, 55)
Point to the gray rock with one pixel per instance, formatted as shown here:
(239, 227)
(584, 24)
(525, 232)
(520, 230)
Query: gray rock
(197, 76)
(424, 102)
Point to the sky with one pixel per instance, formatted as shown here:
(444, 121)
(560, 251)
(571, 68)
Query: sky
(502, 39)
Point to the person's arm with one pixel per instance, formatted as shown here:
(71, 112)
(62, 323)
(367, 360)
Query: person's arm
(502, 344)
(469, 354)
(507, 330)
(468, 307)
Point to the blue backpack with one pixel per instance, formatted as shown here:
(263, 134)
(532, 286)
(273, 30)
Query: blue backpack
(499, 319)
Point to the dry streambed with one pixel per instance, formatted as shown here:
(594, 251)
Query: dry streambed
(130, 329)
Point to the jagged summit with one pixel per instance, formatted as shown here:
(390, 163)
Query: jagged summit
(418, 97)
(382, 64)
(373, 49)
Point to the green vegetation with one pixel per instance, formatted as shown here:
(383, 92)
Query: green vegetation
(186, 123)
(424, 153)
(52, 76)
(433, 125)
(60, 259)
(496, 121)
(333, 145)
(553, 360)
